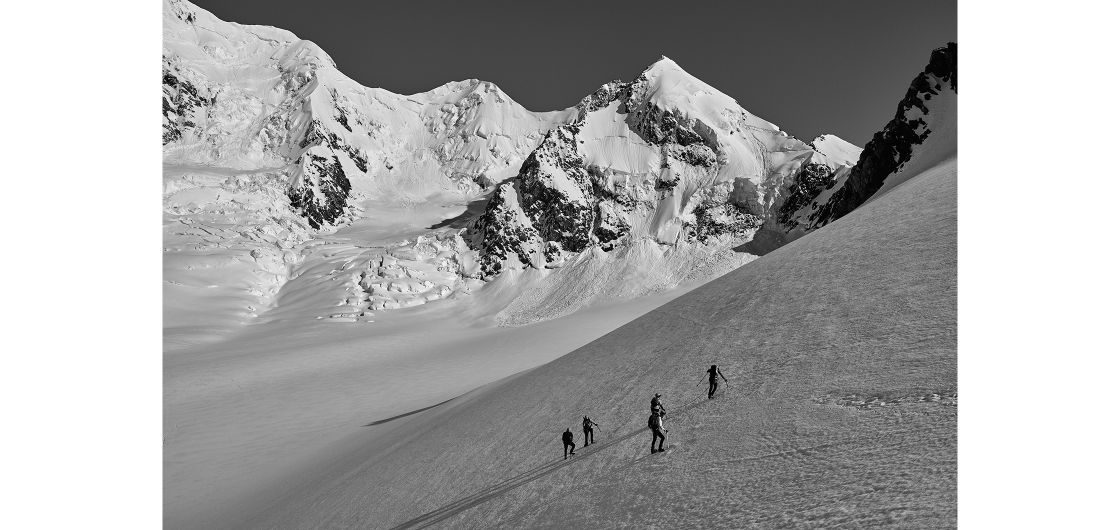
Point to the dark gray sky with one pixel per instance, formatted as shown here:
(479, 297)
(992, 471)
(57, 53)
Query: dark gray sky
(811, 67)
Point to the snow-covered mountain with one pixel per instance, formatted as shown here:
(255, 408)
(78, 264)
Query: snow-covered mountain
(664, 157)
(269, 151)
(268, 148)
(252, 97)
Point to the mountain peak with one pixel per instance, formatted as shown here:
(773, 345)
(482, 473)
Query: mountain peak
(664, 66)
(670, 87)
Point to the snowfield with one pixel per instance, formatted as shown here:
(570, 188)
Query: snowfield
(841, 409)
(383, 309)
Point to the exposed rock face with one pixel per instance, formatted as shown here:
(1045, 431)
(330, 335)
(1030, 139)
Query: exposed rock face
(321, 194)
(548, 208)
(713, 219)
(892, 147)
(181, 101)
(811, 180)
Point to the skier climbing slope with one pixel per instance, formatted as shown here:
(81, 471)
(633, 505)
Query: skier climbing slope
(712, 383)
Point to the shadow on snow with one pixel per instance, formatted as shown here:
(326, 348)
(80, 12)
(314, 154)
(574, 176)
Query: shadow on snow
(399, 416)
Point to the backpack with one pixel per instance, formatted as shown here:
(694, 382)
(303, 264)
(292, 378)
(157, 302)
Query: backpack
(654, 421)
(587, 423)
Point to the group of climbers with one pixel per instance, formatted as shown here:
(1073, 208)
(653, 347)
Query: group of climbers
(656, 421)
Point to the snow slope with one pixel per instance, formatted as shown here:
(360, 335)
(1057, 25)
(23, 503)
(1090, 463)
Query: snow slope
(840, 348)
(277, 404)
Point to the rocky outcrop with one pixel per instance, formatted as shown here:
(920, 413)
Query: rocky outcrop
(182, 101)
(321, 194)
(550, 207)
(893, 146)
(811, 180)
(713, 219)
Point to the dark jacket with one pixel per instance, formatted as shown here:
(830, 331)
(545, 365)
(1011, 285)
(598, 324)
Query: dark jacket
(712, 374)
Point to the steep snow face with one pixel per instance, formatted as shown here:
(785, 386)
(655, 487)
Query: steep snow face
(922, 134)
(664, 157)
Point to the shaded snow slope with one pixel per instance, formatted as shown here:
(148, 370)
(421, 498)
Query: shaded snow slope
(284, 403)
(840, 348)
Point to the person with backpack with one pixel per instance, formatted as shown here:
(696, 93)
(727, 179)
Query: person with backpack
(588, 430)
(655, 405)
(657, 427)
(712, 383)
(567, 438)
